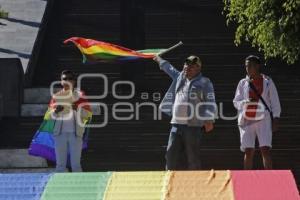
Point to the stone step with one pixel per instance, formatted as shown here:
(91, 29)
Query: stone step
(19, 158)
(26, 170)
(37, 95)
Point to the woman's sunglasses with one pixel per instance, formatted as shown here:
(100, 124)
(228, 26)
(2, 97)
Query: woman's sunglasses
(68, 78)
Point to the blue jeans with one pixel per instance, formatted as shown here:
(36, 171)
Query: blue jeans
(183, 149)
(68, 143)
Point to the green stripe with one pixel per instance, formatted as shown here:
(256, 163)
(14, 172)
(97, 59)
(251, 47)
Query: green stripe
(103, 56)
(76, 186)
(47, 126)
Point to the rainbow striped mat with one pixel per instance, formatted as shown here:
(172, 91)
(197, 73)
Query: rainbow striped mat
(151, 185)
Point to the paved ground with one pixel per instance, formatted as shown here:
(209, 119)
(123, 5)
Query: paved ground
(20, 29)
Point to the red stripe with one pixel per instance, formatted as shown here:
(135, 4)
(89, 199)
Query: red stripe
(82, 100)
(264, 184)
(86, 43)
(52, 103)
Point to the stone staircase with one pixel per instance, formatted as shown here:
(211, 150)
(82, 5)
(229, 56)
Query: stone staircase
(140, 144)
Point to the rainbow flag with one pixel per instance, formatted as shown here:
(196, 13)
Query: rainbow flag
(98, 51)
(42, 144)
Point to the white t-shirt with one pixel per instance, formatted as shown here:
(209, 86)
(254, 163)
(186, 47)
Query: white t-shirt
(180, 107)
(66, 98)
(68, 124)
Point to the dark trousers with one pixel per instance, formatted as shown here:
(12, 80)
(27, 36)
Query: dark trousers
(183, 151)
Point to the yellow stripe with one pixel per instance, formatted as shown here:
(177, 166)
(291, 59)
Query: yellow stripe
(136, 186)
(97, 49)
(47, 115)
(87, 118)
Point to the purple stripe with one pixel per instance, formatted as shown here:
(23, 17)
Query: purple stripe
(42, 151)
(45, 151)
(47, 139)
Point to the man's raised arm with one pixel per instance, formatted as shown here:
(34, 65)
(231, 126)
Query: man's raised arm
(167, 67)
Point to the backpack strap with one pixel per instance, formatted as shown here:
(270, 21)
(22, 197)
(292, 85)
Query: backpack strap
(261, 98)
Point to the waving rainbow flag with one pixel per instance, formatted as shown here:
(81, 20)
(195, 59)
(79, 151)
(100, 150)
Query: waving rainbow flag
(95, 51)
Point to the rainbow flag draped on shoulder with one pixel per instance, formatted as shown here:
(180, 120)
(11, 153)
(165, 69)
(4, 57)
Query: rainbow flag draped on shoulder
(98, 51)
(42, 144)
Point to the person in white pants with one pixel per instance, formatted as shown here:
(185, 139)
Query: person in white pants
(68, 133)
(257, 102)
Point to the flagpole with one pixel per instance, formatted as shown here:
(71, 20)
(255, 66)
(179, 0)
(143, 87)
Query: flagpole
(170, 49)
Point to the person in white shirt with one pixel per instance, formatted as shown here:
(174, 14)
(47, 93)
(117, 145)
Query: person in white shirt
(257, 102)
